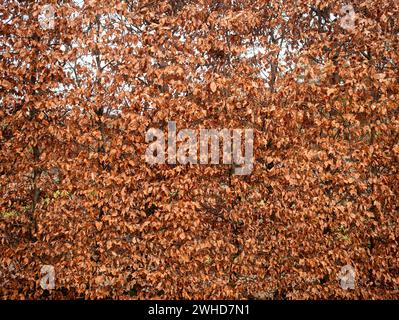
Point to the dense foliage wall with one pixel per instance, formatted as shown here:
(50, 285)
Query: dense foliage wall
(77, 97)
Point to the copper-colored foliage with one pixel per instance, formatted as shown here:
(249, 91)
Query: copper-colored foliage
(77, 194)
